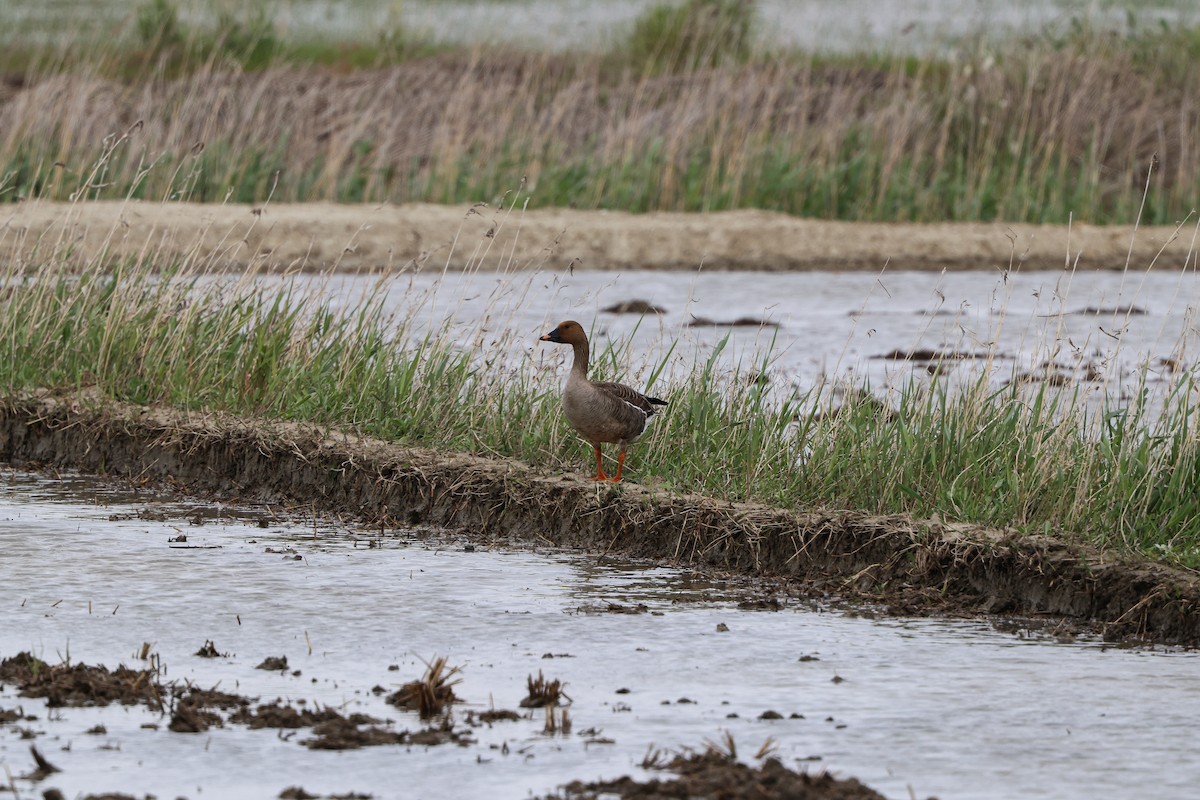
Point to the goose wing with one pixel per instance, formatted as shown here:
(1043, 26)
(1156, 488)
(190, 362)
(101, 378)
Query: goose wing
(619, 391)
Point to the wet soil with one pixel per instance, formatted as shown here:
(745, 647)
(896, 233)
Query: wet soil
(80, 685)
(709, 774)
(322, 236)
(712, 774)
(907, 565)
(195, 710)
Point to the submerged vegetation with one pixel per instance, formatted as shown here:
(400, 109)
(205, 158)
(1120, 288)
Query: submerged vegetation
(687, 112)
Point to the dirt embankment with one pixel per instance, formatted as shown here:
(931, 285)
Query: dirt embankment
(916, 566)
(320, 236)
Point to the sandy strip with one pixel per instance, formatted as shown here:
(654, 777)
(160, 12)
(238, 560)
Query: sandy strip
(320, 236)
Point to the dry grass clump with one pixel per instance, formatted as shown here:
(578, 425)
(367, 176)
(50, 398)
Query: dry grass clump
(549, 694)
(433, 693)
(543, 692)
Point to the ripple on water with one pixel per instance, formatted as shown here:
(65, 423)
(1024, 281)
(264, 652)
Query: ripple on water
(948, 708)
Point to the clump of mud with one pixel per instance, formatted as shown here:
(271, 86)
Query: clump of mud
(298, 793)
(349, 733)
(209, 650)
(634, 307)
(279, 715)
(273, 663)
(714, 774)
(80, 685)
(195, 710)
(492, 715)
(8, 715)
(740, 322)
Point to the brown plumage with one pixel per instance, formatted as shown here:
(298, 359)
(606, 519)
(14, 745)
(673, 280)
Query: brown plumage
(602, 412)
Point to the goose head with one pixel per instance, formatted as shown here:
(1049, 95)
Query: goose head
(569, 332)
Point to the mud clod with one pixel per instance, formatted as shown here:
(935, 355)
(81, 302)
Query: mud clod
(617, 608)
(191, 719)
(740, 322)
(277, 715)
(634, 307)
(80, 685)
(209, 650)
(715, 775)
(8, 715)
(192, 711)
(296, 793)
(344, 733)
(492, 715)
(274, 663)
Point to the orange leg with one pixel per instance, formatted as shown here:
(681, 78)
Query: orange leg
(600, 476)
(620, 465)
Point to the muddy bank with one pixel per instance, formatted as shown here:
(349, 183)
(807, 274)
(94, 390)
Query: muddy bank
(322, 236)
(915, 566)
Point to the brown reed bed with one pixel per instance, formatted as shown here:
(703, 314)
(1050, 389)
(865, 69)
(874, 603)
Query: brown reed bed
(1039, 133)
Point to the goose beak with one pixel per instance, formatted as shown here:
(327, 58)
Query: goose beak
(552, 336)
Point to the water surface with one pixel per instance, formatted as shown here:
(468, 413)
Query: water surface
(850, 26)
(1107, 334)
(946, 708)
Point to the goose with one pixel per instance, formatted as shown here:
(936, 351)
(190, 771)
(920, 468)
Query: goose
(602, 412)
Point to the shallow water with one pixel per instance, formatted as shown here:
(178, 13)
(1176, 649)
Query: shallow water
(952, 709)
(847, 26)
(829, 326)
(561, 25)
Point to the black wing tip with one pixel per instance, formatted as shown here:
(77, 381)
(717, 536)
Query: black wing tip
(657, 402)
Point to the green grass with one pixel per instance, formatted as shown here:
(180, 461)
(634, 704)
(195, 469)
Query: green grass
(1028, 133)
(696, 34)
(855, 182)
(1035, 459)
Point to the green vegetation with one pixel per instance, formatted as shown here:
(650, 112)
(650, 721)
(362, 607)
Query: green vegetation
(699, 34)
(687, 113)
(1027, 456)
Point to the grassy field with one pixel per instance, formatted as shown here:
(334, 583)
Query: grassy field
(687, 112)
(1091, 126)
(1029, 456)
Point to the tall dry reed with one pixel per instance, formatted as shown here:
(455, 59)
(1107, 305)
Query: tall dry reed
(1038, 134)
